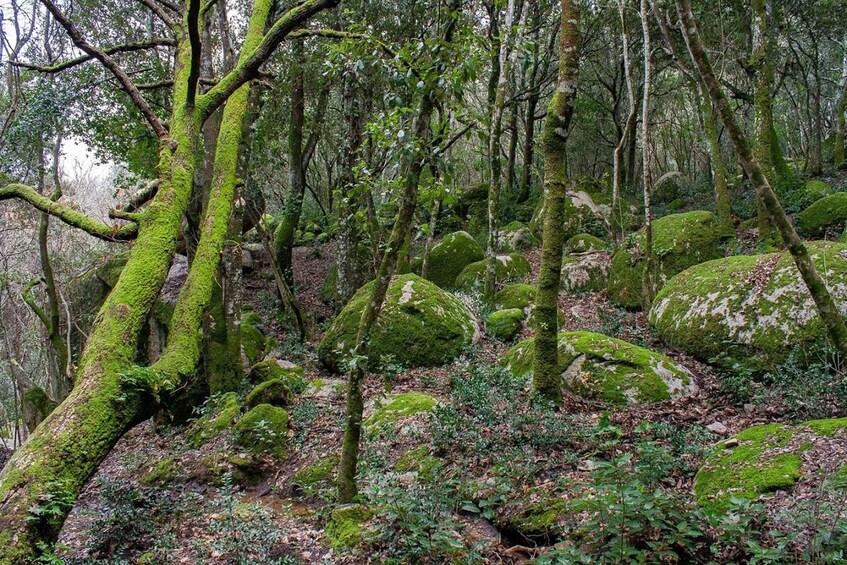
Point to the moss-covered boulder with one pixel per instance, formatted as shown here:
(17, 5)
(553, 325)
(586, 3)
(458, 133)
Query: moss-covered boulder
(315, 473)
(807, 194)
(505, 324)
(329, 289)
(264, 430)
(760, 460)
(827, 213)
(600, 367)
(585, 212)
(447, 259)
(751, 310)
(586, 272)
(536, 515)
(218, 416)
(679, 241)
(252, 339)
(274, 392)
(518, 295)
(420, 325)
(584, 242)
(418, 460)
(400, 406)
(291, 375)
(346, 527)
(515, 236)
(513, 266)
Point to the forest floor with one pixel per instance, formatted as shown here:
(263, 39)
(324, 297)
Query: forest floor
(485, 435)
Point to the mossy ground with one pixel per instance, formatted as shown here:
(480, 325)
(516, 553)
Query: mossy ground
(345, 527)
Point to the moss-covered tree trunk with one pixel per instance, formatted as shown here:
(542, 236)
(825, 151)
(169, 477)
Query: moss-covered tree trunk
(723, 202)
(546, 378)
(109, 397)
(840, 110)
(826, 306)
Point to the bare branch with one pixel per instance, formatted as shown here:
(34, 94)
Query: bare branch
(125, 48)
(160, 13)
(114, 68)
(68, 215)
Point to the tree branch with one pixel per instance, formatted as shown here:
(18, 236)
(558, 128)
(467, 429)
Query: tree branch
(248, 68)
(68, 215)
(112, 65)
(160, 13)
(192, 19)
(125, 48)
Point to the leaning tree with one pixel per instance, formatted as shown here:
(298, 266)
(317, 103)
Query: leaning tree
(112, 390)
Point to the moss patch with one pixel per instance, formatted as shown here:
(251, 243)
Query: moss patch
(264, 429)
(216, 421)
(604, 368)
(163, 472)
(679, 242)
(508, 267)
(749, 310)
(345, 528)
(293, 376)
(274, 392)
(420, 325)
(401, 406)
(505, 324)
(317, 472)
(518, 295)
(582, 242)
(448, 258)
(827, 212)
(419, 460)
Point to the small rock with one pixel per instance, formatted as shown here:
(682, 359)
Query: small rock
(730, 443)
(717, 428)
(586, 465)
(748, 408)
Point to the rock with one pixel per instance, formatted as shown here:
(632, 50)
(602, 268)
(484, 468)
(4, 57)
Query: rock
(828, 212)
(808, 194)
(761, 459)
(401, 406)
(600, 367)
(535, 515)
(447, 259)
(508, 267)
(515, 236)
(419, 460)
(247, 264)
(717, 428)
(420, 325)
(679, 241)
(218, 417)
(345, 527)
(329, 289)
(318, 472)
(748, 310)
(584, 242)
(585, 212)
(274, 392)
(586, 272)
(505, 325)
(291, 375)
(264, 430)
(518, 295)
(252, 338)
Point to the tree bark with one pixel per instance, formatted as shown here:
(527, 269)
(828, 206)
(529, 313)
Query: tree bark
(546, 377)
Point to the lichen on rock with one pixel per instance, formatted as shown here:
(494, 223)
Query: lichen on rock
(420, 325)
(586, 272)
(607, 369)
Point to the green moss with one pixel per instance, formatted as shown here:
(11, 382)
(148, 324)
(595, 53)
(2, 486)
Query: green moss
(293, 376)
(315, 473)
(826, 212)
(582, 242)
(448, 258)
(264, 429)
(39, 402)
(518, 295)
(420, 325)
(111, 270)
(401, 406)
(586, 272)
(535, 514)
(345, 527)
(604, 368)
(827, 427)
(252, 342)
(329, 289)
(808, 194)
(747, 310)
(274, 392)
(839, 478)
(213, 423)
(508, 267)
(679, 242)
(418, 459)
(163, 472)
(505, 324)
(585, 212)
(515, 236)
(748, 470)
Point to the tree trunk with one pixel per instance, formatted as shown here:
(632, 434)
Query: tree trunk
(618, 173)
(719, 172)
(546, 378)
(649, 282)
(827, 309)
(840, 109)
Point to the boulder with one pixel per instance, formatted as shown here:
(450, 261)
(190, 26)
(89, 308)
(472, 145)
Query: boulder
(584, 242)
(447, 259)
(506, 324)
(584, 212)
(518, 295)
(263, 430)
(827, 213)
(750, 309)
(400, 406)
(679, 241)
(515, 236)
(291, 375)
(274, 392)
(763, 459)
(586, 272)
(420, 325)
(808, 194)
(509, 267)
(604, 368)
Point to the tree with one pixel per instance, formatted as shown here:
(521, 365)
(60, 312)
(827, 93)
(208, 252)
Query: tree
(112, 392)
(545, 374)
